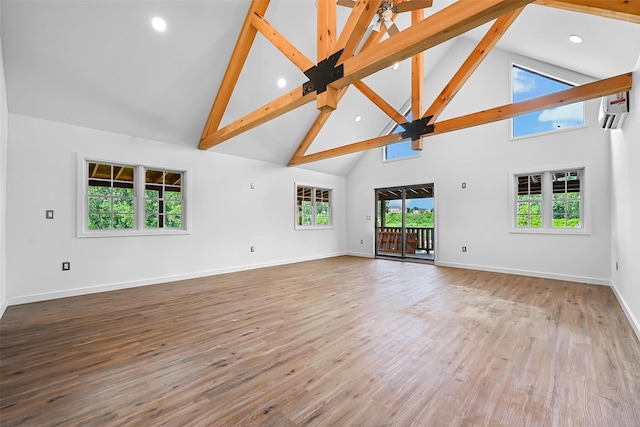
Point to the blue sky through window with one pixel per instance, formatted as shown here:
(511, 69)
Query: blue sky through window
(402, 149)
(528, 84)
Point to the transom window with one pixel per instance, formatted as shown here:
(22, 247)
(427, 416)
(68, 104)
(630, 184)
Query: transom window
(402, 149)
(528, 84)
(551, 200)
(110, 204)
(313, 207)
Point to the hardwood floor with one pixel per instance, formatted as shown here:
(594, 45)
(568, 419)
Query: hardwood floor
(337, 342)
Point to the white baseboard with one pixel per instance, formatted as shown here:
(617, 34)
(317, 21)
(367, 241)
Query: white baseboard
(635, 324)
(361, 254)
(543, 275)
(3, 307)
(155, 280)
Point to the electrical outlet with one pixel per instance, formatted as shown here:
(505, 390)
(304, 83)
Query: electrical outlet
(464, 185)
(253, 249)
(361, 242)
(49, 214)
(66, 266)
(464, 249)
(253, 186)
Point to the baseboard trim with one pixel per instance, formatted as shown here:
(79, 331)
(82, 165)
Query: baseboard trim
(26, 299)
(635, 324)
(543, 275)
(3, 308)
(360, 254)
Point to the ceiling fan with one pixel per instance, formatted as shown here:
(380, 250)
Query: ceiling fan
(388, 8)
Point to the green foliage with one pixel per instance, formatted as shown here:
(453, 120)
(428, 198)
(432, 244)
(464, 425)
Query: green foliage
(413, 219)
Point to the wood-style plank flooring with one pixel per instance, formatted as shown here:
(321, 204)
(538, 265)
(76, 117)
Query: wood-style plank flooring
(336, 342)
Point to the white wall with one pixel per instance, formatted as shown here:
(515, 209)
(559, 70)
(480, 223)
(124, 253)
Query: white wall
(4, 115)
(479, 217)
(227, 215)
(625, 205)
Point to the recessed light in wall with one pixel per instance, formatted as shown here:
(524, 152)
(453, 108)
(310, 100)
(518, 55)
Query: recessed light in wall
(159, 24)
(575, 39)
(282, 82)
(396, 66)
(357, 118)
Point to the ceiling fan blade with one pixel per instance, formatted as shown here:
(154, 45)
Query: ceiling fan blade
(347, 3)
(412, 5)
(392, 29)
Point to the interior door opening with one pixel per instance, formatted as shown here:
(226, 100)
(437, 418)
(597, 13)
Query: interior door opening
(405, 222)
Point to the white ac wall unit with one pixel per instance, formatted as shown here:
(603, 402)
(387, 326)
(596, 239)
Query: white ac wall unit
(614, 109)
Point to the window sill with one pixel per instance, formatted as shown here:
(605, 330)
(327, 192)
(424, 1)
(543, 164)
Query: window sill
(314, 227)
(130, 233)
(556, 231)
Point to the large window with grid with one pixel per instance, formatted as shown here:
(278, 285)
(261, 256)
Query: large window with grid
(313, 207)
(117, 199)
(549, 200)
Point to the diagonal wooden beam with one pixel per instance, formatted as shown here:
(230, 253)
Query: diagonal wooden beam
(444, 25)
(417, 79)
(379, 102)
(356, 26)
(276, 108)
(438, 28)
(323, 116)
(281, 43)
(626, 10)
(316, 127)
(488, 42)
(584, 92)
(231, 75)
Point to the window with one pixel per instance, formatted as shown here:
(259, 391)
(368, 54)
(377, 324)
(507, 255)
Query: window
(549, 200)
(527, 84)
(163, 199)
(313, 207)
(402, 149)
(108, 203)
(110, 200)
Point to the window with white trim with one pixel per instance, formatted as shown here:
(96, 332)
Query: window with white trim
(549, 200)
(119, 199)
(313, 207)
(527, 84)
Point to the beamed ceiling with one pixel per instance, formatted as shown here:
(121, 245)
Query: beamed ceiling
(97, 64)
(346, 67)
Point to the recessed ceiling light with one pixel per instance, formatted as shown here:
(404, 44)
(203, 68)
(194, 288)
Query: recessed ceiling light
(396, 66)
(575, 39)
(282, 83)
(159, 24)
(357, 118)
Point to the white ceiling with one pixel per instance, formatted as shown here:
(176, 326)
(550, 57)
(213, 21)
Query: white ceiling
(99, 64)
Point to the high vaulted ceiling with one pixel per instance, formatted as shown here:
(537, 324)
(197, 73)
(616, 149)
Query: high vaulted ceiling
(99, 64)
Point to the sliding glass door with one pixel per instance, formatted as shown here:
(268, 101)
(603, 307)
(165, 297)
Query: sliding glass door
(405, 222)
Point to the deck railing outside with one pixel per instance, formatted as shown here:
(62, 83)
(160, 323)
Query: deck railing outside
(426, 241)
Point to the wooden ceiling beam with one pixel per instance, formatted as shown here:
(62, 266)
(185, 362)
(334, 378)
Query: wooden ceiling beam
(488, 42)
(584, 92)
(355, 28)
(417, 80)
(323, 116)
(316, 127)
(273, 109)
(394, 114)
(438, 28)
(281, 43)
(326, 28)
(625, 10)
(444, 25)
(231, 75)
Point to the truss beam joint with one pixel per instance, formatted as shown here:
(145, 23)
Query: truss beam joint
(321, 75)
(415, 129)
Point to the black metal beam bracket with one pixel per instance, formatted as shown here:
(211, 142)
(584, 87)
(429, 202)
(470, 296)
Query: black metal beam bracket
(322, 74)
(416, 128)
